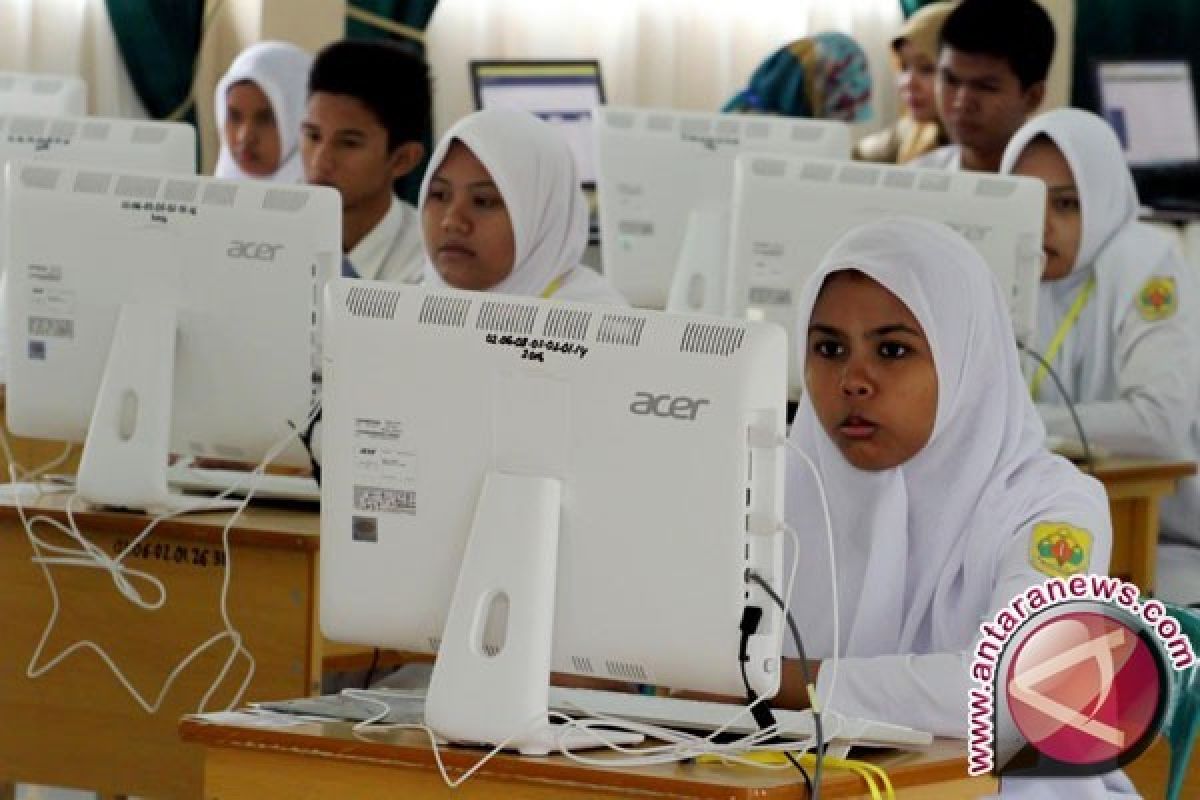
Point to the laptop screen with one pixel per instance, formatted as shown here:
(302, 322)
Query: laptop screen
(564, 93)
(1152, 107)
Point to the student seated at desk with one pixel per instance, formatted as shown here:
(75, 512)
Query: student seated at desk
(259, 103)
(368, 107)
(1117, 319)
(931, 452)
(502, 211)
(993, 60)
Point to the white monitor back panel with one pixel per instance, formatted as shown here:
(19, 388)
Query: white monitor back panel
(656, 166)
(100, 142)
(788, 212)
(643, 418)
(34, 93)
(243, 262)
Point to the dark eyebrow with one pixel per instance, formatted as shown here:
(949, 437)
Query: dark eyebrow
(474, 185)
(885, 330)
(1070, 187)
(826, 329)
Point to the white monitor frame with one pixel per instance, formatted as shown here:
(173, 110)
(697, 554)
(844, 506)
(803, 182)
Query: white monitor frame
(39, 93)
(788, 212)
(621, 439)
(655, 167)
(151, 312)
(107, 143)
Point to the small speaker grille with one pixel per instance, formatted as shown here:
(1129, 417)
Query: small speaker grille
(626, 671)
(899, 180)
(619, 119)
(502, 317)
(932, 182)
(717, 340)
(562, 323)
(93, 182)
(859, 176)
(7, 83)
(806, 133)
(768, 167)
(149, 134)
(695, 127)
(39, 177)
(582, 664)
(621, 329)
(373, 302)
(62, 129)
(181, 191)
(660, 122)
(96, 131)
(47, 86)
(284, 200)
(757, 130)
(219, 194)
(816, 172)
(994, 188)
(442, 310)
(27, 126)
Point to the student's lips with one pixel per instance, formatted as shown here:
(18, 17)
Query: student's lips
(856, 427)
(455, 251)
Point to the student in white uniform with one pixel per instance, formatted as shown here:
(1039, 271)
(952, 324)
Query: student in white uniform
(1117, 319)
(917, 417)
(368, 107)
(502, 211)
(993, 59)
(259, 103)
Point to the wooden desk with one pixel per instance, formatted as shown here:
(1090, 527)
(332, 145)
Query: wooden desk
(76, 726)
(321, 761)
(1135, 488)
(32, 453)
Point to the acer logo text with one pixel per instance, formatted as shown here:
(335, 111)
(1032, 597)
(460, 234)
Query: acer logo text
(664, 405)
(255, 251)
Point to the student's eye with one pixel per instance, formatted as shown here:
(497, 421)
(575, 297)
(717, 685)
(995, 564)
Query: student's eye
(439, 195)
(828, 348)
(311, 136)
(235, 115)
(1065, 205)
(893, 350)
(926, 70)
(489, 202)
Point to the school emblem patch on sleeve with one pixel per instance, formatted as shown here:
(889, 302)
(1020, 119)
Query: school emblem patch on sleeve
(1157, 299)
(1060, 550)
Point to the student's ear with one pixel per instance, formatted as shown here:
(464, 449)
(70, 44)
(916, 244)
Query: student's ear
(406, 158)
(1034, 96)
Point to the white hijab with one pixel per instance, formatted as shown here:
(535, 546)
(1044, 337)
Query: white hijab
(1121, 253)
(534, 170)
(918, 545)
(280, 70)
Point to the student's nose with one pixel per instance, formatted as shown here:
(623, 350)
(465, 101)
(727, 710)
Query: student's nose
(456, 220)
(856, 380)
(321, 158)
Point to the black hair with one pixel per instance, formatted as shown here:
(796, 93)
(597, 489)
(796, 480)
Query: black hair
(1018, 31)
(385, 77)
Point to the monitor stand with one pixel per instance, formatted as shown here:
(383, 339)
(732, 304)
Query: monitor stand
(124, 460)
(700, 282)
(490, 683)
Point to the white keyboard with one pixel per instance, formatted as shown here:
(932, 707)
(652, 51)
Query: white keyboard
(673, 712)
(266, 487)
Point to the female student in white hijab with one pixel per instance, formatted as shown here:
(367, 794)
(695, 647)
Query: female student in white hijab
(259, 104)
(1118, 321)
(502, 211)
(939, 486)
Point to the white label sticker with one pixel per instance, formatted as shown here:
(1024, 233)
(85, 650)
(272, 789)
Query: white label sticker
(385, 472)
(52, 302)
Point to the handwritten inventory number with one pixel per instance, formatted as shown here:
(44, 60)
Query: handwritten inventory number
(173, 553)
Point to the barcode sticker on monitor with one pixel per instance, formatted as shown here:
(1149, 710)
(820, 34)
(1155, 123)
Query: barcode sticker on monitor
(51, 326)
(770, 296)
(391, 501)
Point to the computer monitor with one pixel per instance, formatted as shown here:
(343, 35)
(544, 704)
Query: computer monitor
(99, 141)
(150, 313)
(659, 168)
(1152, 107)
(788, 212)
(33, 93)
(563, 93)
(631, 458)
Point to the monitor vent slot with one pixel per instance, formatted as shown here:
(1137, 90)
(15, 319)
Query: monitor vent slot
(757, 130)
(727, 127)
(7, 83)
(285, 200)
(816, 172)
(502, 317)
(93, 182)
(136, 186)
(710, 339)
(768, 167)
(662, 123)
(626, 671)
(564, 323)
(219, 194)
(807, 133)
(442, 310)
(27, 126)
(373, 302)
(899, 179)
(95, 131)
(994, 188)
(583, 664)
(149, 134)
(621, 329)
(619, 119)
(934, 182)
(859, 176)
(62, 129)
(491, 650)
(435, 643)
(40, 177)
(47, 86)
(181, 191)
(695, 127)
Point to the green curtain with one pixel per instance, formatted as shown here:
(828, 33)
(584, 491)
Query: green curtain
(159, 40)
(414, 14)
(909, 6)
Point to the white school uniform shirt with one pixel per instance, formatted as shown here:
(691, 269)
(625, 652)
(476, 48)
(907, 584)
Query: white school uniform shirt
(946, 157)
(535, 172)
(392, 250)
(1131, 362)
(928, 550)
(280, 70)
